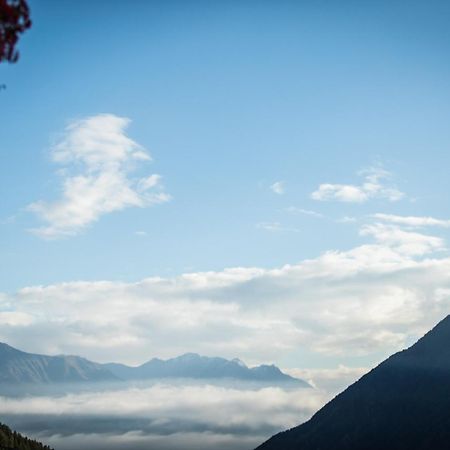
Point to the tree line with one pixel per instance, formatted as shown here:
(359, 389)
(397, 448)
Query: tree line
(11, 440)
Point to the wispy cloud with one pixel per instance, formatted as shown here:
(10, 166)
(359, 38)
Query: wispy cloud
(413, 221)
(278, 187)
(275, 227)
(347, 219)
(374, 186)
(403, 241)
(8, 220)
(306, 212)
(97, 159)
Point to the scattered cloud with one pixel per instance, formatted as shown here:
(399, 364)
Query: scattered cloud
(278, 187)
(141, 233)
(413, 221)
(275, 227)
(347, 219)
(98, 159)
(306, 212)
(374, 186)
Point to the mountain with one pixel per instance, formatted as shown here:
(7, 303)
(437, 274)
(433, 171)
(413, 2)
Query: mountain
(11, 440)
(195, 366)
(17, 367)
(402, 404)
(20, 367)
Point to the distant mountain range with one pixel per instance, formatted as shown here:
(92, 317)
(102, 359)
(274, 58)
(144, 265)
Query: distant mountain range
(18, 367)
(192, 365)
(403, 404)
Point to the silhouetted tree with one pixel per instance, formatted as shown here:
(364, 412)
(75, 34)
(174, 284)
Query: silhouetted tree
(14, 20)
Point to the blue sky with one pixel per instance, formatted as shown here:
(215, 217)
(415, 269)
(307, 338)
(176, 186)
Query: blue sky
(246, 109)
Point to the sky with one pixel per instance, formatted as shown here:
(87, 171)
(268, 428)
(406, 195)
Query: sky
(253, 179)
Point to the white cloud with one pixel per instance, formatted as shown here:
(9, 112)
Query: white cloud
(98, 158)
(373, 186)
(278, 187)
(306, 212)
(347, 219)
(404, 242)
(162, 416)
(275, 227)
(370, 299)
(413, 221)
(340, 192)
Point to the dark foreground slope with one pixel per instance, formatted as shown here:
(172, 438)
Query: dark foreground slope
(404, 403)
(10, 440)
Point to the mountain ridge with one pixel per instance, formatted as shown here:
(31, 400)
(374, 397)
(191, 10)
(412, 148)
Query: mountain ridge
(17, 366)
(193, 365)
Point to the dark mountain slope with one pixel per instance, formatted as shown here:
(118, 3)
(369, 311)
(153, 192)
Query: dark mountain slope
(10, 440)
(20, 367)
(403, 404)
(195, 366)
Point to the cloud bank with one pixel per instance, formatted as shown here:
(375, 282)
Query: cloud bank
(97, 159)
(161, 417)
(373, 298)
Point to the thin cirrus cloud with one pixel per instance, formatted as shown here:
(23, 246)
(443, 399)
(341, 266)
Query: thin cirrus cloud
(375, 185)
(413, 221)
(306, 212)
(275, 227)
(98, 160)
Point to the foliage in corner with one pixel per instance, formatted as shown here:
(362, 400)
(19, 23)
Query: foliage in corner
(14, 20)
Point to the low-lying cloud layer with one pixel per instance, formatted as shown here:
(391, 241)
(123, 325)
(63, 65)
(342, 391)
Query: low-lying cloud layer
(162, 417)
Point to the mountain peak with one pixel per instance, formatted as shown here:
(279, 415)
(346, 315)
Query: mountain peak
(7, 349)
(188, 356)
(239, 362)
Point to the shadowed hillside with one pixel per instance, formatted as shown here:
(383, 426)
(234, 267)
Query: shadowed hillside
(403, 404)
